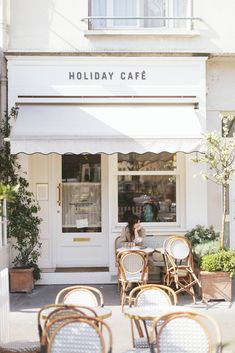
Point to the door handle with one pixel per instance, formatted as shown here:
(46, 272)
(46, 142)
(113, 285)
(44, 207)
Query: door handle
(59, 194)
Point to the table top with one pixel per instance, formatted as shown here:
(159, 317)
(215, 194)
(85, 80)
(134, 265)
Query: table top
(101, 312)
(160, 250)
(152, 312)
(145, 249)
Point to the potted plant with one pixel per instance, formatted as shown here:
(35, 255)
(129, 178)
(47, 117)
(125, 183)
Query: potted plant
(23, 221)
(219, 156)
(204, 241)
(216, 273)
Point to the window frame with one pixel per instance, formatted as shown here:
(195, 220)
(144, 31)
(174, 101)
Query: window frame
(169, 24)
(179, 173)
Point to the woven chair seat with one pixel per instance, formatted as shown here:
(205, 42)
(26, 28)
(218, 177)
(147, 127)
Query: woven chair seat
(20, 347)
(141, 342)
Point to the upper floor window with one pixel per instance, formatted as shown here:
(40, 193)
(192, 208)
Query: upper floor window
(130, 14)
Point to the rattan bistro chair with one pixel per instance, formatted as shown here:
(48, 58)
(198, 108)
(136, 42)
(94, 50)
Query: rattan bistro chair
(150, 295)
(57, 313)
(179, 265)
(190, 332)
(133, 267)
(80, 295)
(80, 335)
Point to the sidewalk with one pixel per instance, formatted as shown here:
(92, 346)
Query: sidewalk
(24, 308)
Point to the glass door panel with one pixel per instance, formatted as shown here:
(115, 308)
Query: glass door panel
(81, 193)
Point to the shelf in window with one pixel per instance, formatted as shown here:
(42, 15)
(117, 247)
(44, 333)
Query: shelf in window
(143, 32)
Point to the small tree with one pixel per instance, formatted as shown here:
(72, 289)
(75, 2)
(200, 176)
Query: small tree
(219, 155)
(23, 222)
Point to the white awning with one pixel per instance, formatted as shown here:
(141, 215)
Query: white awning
(107, 128)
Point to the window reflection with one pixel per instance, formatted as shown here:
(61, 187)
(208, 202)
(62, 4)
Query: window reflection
(146, 162)
(151, 197)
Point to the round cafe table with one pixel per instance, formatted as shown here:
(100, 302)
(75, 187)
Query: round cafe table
(152, 312)
(145, 249)
(102, 312)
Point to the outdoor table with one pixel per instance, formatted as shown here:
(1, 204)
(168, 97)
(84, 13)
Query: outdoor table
(102, 312)
(149, 313)
(145, 249)
(152, 312)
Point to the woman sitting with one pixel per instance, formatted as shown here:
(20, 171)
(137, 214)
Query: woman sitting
(133, 231)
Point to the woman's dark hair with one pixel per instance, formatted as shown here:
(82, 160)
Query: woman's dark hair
(132, 220)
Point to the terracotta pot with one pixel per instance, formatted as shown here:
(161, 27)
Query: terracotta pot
(216, 286)
(21, 280)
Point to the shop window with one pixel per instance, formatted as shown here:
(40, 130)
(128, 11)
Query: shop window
(81, 193)
(147, 186)
(140, 13)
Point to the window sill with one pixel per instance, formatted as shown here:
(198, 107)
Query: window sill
(142, 32)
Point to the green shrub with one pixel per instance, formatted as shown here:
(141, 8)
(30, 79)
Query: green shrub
(200, 234)
(223, 260)
(202, 249)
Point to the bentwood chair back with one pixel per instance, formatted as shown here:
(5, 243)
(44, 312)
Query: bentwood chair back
(133, 267)
(179, 265)
(60, 314)
(80, 335)
(80, 295)
(185, 332)
(57, 313)
(150, 295)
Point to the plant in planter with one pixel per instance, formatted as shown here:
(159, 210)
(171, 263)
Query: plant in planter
(219, 155)
(204, 241)
(216, 274)
(23, 221)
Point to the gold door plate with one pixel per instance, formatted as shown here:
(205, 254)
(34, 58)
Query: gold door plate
(82, 239)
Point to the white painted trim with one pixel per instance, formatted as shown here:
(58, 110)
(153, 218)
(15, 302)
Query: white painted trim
(165, 32)
(106, 100)
(76, 278)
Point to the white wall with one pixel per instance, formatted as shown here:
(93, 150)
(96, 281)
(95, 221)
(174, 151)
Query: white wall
(4, 295)
(55, 25)
(220, 98)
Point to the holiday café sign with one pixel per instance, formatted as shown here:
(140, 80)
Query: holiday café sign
(106, 75)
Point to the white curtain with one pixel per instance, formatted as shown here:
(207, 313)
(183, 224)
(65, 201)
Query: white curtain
(180, 9)
(155, 8)
(125, 8)
(98, 8)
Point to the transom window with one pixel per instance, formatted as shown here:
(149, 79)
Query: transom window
(140, 13)
(147, 186)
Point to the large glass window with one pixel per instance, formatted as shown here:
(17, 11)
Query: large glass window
(131, 12)
(81, 193)
(147, 185)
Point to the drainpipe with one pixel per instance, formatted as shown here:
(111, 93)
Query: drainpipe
(4, 38)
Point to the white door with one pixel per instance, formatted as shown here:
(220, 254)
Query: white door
(82, 236)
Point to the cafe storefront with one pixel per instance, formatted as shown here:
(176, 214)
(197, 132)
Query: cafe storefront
(101, 138)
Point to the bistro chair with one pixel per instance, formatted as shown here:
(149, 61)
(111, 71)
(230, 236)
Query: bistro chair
(179, 265)
(48, 313)
(117, 245)
(80, 335)
(190, 332)
(149, 295)
(133, 268)
(80, 295)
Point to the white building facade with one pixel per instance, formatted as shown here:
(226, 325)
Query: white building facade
(113, 99)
